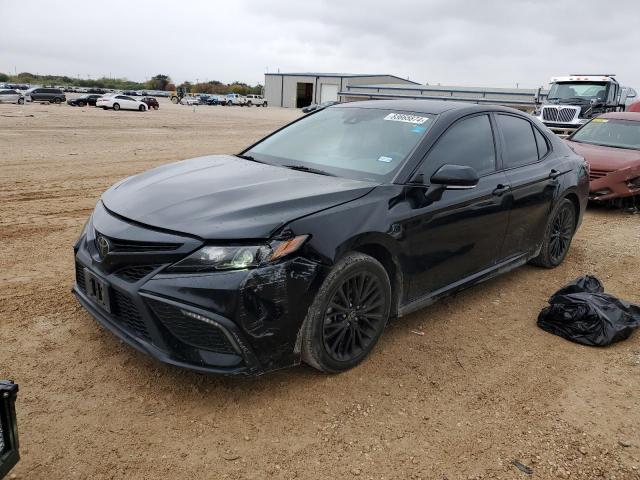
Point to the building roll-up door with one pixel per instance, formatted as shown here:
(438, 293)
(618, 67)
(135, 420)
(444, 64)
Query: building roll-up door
(328, 92)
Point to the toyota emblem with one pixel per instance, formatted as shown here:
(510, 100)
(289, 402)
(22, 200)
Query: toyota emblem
(103, 245)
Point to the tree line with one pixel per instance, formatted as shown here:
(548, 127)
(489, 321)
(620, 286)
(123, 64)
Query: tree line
(157, 82)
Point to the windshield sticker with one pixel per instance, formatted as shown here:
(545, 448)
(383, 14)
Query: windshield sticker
(403, 117)
(385, 159)
(599, 120)
(418, 129)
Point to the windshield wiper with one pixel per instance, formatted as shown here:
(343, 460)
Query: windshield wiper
(247, 157)
(302, 168)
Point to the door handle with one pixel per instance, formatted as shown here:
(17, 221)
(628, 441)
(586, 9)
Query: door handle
(500, 190)
(553, 174)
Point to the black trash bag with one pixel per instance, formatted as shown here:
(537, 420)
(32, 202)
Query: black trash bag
(583, 313)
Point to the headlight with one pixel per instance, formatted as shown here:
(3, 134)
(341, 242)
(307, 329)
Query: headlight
(237, 257)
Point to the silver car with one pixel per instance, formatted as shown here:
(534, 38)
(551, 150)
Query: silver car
(11, 96)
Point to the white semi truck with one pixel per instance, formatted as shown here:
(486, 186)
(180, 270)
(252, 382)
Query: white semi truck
(573, 100)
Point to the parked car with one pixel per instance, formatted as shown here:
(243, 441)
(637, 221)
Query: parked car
(189, 100)
(610, 144)
(118, 102)
(45, 94)
(257, 100)
(11, 96)
(302, 247)
(217, 100)
(318, 106)
(236, 99)
(634, 107)
(83, 100)
(151, 102)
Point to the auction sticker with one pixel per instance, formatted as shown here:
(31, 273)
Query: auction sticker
(403, 117)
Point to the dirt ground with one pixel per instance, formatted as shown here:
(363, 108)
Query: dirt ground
(481, 388)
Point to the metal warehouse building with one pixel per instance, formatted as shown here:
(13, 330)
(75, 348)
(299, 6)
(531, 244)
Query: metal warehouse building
(297, 90)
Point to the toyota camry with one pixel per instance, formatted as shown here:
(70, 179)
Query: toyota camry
(303, 246)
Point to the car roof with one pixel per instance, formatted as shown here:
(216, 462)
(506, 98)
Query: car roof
(420, 106)
(632, 116)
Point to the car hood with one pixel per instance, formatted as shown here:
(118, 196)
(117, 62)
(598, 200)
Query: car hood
(225, 197)
(606, 158)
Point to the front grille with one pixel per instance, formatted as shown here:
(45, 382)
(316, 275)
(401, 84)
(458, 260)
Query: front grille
(127, 315)
(191, 331)
(595, 174)
(136, 273)
(120, 245)
(559, 114)
(80, 277)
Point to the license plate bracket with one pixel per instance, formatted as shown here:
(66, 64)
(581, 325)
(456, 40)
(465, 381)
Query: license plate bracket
(97, 290)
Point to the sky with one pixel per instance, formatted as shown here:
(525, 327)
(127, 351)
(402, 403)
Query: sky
(496, 43)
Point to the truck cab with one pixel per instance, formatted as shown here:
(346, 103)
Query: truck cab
(572, 101)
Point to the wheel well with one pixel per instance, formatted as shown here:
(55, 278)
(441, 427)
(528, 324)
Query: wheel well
(390, 264)
(573, 198)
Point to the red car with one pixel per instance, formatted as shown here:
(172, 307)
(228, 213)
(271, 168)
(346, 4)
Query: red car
(610, 144)
(634, 107)
(151, 102)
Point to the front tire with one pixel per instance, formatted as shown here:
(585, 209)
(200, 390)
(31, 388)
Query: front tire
(141, 108)
(21, 101)
(116, 106)
(81, 104)
(348, 314)
(558, 235)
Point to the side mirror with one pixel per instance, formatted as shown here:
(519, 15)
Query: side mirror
(455, 177)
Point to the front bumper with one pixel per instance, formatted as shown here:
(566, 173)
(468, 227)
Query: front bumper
(228, 322)
(616, 184)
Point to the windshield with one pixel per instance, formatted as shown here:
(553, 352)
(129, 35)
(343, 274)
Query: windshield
(358, 143)
(579, 91)
(610, 133)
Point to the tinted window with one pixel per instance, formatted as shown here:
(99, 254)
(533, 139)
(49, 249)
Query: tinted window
(543, 147)
(520, 144)
(468, 142)
(121, 97)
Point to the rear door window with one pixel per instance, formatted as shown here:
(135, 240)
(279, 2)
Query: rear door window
(520, 146)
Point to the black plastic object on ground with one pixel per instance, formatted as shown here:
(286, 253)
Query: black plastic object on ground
(583, 313)
(9, 455)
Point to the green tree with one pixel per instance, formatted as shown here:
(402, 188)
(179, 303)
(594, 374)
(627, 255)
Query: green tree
(158, 82)
(4, 77)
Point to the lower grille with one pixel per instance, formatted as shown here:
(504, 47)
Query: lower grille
(80, 277)
(127, 315)
(191, 331)
(136, 273)
(595, 174)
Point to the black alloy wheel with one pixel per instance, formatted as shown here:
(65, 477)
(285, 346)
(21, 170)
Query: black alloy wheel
(353, 316)
(558, 235)
(348, 314)
(561, 233)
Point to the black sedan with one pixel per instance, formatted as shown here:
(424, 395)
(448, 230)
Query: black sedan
(318, 106)
(303, 246)
(84, 100)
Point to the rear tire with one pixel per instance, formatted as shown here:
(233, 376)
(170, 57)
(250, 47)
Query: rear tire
(558, 235)
(116, 106)
(348, 314)
(156, 107)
